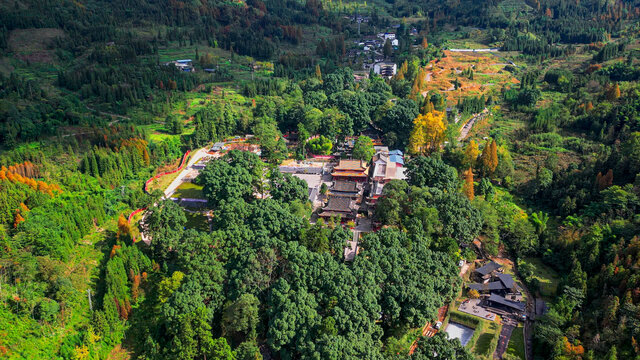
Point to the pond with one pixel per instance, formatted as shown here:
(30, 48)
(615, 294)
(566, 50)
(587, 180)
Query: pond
(459, 331)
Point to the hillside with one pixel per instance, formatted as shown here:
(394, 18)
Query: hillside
(318, 179)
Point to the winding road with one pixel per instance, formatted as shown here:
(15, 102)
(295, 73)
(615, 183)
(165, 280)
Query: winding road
(464, 132)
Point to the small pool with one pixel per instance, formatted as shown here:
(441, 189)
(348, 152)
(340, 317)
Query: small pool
(459, 331)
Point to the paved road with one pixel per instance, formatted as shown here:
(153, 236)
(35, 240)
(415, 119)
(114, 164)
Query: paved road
(469, 125)
(188, 173)
(475, 50)
(505, 335)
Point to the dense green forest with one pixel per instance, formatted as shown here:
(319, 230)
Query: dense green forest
(546, 177)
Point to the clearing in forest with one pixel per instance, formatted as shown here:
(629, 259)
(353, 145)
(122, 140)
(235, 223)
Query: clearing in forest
(489, 74)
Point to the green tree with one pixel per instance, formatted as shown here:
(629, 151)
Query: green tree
(240, 318)
(363, 149)
(432, 172)
(224, 182)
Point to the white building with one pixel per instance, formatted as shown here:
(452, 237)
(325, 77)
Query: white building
(385, 69)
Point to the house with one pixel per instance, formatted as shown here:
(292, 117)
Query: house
(339, 206)
(502, 305)
(487, 271)
(501, 284)
(354, 170)
(386, 166)
(184, 65)
(217, 147)
(385, 69)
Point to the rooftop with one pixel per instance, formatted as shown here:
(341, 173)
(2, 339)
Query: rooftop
(507, 280)
(346, 165)
(339, 204)
(345, 186)
(517, 305)
(491, 286)
(488, 268)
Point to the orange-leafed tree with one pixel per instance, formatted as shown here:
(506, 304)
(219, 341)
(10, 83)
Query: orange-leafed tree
(17, 220)
(468, 184)
(604, 181)
(489, 157)
(613, 92)
(588, 107)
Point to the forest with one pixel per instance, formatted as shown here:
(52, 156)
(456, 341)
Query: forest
(518, 125)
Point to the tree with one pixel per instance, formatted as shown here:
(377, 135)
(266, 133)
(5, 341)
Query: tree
(223, 182)
(473, 294)
(287, 188)
(248, 350)
(486, 188)
(468, 184)
(428, 133)
(489, 157)
(613, 92)
(318, 72)
(363, 149)
(396, 123)
(432, 172)
(240, 318)
(471, 153)
(173, 125)
(387, 49)
(539, 221)
(320, 145)
(405, 271)
(270, 140)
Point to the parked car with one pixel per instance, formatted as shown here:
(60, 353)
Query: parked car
(438, 325)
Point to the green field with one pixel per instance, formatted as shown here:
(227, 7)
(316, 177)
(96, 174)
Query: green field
(487, 340)
(547, 277)
(189, 190)
(516, 343)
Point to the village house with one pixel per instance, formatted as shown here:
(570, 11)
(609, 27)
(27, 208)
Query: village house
(184, 65)
(386, 166)
(484, 273)
(385, 69)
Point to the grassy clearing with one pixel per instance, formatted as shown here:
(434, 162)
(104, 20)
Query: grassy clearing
(516, 343)
(487, 341)
(547, 277)
(189, 190)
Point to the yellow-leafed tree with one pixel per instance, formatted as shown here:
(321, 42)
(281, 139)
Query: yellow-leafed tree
(428, 133)
(471, 153)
